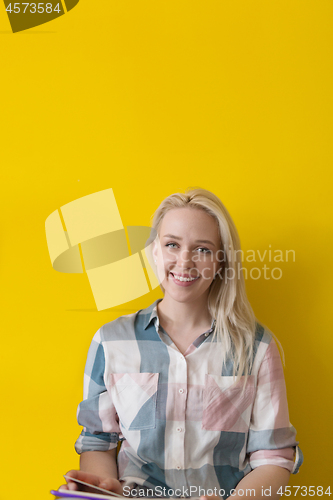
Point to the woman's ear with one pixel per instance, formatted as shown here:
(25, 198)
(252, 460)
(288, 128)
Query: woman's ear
(154, 252)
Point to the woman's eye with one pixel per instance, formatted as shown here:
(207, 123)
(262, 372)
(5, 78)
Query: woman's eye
(200, 249)
(204, 250)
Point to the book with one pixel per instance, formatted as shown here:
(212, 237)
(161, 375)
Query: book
(83, 494)
(101, 493)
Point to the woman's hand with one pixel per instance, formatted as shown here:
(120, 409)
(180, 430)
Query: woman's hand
(107, 483)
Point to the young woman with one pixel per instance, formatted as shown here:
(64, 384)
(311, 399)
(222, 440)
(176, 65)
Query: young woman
(193, 385)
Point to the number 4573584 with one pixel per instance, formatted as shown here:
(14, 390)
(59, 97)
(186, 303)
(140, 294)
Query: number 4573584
(32, 8)
(304, 491)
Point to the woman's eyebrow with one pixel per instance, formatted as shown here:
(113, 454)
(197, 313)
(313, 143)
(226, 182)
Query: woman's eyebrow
(178, 238)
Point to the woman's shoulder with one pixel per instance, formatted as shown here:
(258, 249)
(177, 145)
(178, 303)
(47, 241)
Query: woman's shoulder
(262, 333)
(265, 344)
(126, 326)
(263, 340)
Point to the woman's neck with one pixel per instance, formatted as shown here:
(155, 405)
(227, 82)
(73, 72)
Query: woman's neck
(184, 315)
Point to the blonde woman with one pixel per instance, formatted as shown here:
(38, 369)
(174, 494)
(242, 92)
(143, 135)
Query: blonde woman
(192, 385)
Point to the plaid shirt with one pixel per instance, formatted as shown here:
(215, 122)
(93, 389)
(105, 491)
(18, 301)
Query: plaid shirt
(181, 420)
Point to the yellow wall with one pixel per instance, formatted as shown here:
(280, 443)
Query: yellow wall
(149, 97)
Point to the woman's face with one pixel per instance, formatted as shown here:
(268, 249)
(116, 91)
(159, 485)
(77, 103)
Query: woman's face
(187, 253)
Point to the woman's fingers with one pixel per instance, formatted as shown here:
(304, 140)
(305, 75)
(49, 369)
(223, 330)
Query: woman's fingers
(69, 486)
(111, 485)
(107, 483)
(81, 476)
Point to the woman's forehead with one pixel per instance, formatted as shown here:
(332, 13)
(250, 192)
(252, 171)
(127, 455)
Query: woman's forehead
(189, 221)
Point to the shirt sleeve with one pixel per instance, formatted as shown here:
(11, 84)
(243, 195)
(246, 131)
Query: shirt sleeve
(271, 439)
(96, 413)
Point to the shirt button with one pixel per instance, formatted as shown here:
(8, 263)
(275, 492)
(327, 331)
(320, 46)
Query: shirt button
(179, 429)
(181, 391)
(206, 334)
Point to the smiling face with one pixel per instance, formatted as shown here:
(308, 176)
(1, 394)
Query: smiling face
(186, 253)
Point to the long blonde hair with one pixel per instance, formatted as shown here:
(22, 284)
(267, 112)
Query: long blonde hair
(227, 300)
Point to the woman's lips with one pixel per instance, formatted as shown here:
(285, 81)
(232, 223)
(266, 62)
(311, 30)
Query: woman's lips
(183, 283)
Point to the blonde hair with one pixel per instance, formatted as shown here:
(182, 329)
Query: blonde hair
(227, 300)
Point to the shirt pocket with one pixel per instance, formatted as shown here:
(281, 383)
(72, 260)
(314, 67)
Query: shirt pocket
(134, 398)
(225, 406)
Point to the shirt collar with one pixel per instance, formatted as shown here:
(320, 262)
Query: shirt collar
(151, 314)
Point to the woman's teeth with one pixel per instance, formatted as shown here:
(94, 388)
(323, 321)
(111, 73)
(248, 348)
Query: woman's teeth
(181, 278)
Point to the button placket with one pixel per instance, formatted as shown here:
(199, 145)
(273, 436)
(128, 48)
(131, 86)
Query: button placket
(176, 412)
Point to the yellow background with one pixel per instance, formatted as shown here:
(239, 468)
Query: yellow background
(149, 97)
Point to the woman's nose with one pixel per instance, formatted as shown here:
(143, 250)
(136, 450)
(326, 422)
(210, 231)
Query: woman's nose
(184, 258)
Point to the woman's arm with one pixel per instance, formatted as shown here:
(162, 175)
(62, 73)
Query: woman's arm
(101, 463)
(262, 483)
(265, 477)
(98, 468)
(97, 448)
